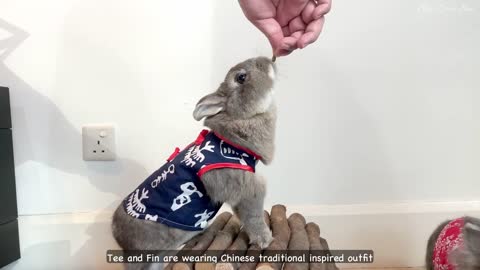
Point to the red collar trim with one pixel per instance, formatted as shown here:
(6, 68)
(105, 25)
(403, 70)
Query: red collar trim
(201, 137)
(257, 156)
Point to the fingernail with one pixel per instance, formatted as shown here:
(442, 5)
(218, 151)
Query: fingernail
(286, 47)
(304, 44)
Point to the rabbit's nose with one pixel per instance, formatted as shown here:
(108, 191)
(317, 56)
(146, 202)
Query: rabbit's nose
(263, 63)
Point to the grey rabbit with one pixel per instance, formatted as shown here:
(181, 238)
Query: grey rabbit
(455, 245)
(242, 112)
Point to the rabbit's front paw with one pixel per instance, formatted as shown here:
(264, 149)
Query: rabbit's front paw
(262, 239)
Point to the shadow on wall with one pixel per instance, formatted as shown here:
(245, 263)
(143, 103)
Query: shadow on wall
(34, 113)
(42, 134)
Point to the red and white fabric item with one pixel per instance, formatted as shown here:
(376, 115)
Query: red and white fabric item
(450, 238)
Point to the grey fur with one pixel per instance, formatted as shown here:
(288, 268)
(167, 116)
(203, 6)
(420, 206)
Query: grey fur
(241, 120)
(244, 114)
(245, 120)
(467, 258)
(245, 192)
(136, 234)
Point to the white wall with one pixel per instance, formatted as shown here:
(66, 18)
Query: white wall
(381, 109)
(137, 65)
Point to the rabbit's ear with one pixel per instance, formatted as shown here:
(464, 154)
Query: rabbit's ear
(209, 105)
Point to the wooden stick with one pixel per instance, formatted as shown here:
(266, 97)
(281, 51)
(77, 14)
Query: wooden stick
(253, 250)
(279, 224)
(281, 235)
(239, 247)
(205, 240)
(188, 245)
(313, 233)
(222, 241)
(240, 244)
(298, 242)
(329, 266)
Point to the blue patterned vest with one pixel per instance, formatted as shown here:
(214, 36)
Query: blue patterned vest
(174, 194)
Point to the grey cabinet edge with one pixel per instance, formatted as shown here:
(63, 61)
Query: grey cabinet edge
(5, 115)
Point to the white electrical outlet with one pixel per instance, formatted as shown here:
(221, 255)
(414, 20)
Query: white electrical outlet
(98, 142)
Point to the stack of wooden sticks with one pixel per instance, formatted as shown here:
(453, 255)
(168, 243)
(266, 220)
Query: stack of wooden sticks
(225, 236)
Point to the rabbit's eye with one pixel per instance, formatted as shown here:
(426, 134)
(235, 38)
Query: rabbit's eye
(240, 78)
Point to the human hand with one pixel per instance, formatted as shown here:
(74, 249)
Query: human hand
(288, 24)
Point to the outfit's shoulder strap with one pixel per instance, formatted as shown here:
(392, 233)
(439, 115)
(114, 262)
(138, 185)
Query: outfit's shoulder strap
(226, 155)
(214, 166)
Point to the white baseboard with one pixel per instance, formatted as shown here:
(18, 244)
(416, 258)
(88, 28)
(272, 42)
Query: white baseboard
(397, 232)
(387, 208)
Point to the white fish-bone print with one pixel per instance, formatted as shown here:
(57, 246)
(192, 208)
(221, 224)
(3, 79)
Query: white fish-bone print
(228, 152)
(194, 154)
(134, 205)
